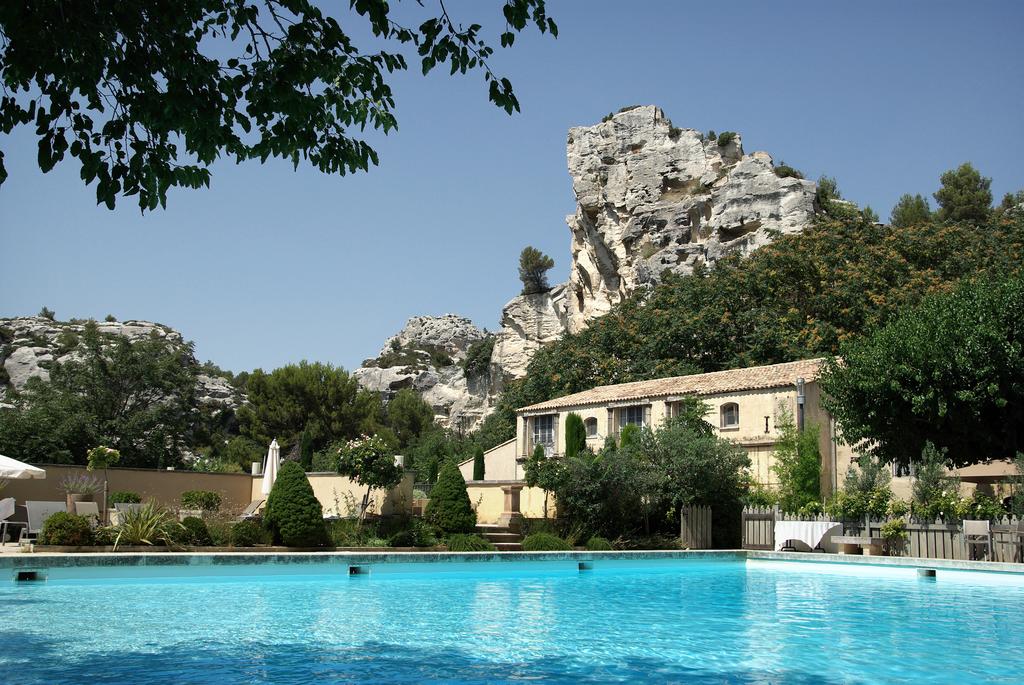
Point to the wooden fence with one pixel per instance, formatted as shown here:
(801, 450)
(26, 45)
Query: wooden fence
(932, 540)
(695, 527)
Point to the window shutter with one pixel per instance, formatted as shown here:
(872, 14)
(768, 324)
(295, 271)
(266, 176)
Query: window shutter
(611, 423)
(528, 443)
(554, 434)
(647, 416)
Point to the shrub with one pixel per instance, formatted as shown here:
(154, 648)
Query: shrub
(462, 542)
(82, 484)
(195, 533)
(479, 465)
(478, 357)
(629, 435)
(449, 507)
(895, 534)
(726, 137)
(545, 542)
(150, 525)
(293, 514)
(246, 534)
(599, 544)
(575, 435)
(124, 497)
(326, 461)
(62, 528)
(760, 495)
(981, 507)
(200, 499)
(403, 538)
(786, 171)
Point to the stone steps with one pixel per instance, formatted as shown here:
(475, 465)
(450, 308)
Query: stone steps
(503, 539)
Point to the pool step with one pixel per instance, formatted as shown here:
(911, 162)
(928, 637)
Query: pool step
(503, 539)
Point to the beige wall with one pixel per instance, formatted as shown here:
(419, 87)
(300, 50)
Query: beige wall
(499, 464)
(237, 490)
(488, 500)
(163, 486)
(340, 496)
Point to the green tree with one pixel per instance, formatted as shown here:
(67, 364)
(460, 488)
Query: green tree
(136, 396)
(369, 462)
(575, 435)
(629, 435)
(797, 464)
(541, 472)
(449, 507)
(46, 312)
(965, 195)
(293, 514)
(479, 465)
(949, 371)
(911, 210)
(934, 492)
(533, 268)
(146, 95)
(319, 399)
(409, 416)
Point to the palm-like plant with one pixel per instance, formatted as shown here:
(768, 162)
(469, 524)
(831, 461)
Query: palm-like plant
(148, 525)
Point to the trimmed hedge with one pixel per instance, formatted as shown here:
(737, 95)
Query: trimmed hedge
(599, 544)
(196, 533)
(63, 528)
(461, 542)
(545, 542)
(124, 497)
(449, 507)
(246, 534)
(293, 514)
(206, 500)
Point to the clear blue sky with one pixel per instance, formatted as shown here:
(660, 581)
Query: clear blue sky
(271, 266)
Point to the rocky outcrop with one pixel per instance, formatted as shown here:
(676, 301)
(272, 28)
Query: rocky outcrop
(427, 355)
(527, 323)
(652, 197)
(31, 345)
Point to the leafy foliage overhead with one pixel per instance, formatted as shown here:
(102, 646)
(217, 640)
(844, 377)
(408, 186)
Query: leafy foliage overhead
(147, 94)
(949, 371)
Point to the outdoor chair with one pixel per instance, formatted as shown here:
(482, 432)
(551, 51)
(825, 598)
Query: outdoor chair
(252, 510)
(38, 512)
(1015, 541)
(91, 510)
(9, 517)
(977, 533)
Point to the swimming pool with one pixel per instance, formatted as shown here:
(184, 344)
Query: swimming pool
(669, 620)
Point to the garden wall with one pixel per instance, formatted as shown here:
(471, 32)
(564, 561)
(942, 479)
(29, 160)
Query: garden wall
(488, 500)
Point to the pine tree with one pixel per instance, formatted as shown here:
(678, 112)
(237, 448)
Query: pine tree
(533, 268)
(911, 210)
(965, 195)
(293, 513)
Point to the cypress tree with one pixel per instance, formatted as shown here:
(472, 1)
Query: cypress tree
(449, 507)
(575, 435)
(478, 463)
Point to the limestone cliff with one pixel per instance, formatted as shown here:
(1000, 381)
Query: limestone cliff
(31, 345)
(427, 355)
(652, 197)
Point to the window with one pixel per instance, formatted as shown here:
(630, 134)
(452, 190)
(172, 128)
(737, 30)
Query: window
(544, 432)
(591, 426)
(730, 415)
(634, 416)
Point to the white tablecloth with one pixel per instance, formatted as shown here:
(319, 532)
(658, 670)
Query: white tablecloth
(808, 532)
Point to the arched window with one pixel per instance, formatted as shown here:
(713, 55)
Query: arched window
(730, 414)
(591, 426)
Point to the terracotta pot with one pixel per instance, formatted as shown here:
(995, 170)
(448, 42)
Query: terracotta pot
(73, 497)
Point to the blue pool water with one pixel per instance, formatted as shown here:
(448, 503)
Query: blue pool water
(693, 622)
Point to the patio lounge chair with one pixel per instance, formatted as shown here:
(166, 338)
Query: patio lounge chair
(252, 510)
(977, 533)
(38, 512)
(9, 517)
(90, 510)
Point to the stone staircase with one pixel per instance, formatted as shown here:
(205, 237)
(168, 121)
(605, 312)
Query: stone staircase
(503, 539)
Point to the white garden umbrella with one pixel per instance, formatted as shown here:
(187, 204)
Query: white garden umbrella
(12, 469)
(270, 467)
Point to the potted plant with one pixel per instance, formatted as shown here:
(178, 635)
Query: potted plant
(79, 488)
(103, 457)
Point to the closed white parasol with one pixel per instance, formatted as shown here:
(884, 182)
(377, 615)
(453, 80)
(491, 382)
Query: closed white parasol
(270, 467)
(12, 469)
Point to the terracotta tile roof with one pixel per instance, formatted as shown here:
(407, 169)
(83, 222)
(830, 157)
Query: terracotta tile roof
(716, 382)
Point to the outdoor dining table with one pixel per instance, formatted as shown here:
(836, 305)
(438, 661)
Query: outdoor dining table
(811, 533)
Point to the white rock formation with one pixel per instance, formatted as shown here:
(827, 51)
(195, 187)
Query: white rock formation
(35, 343)
(427, 355)
(652, 197)
(527, 323)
